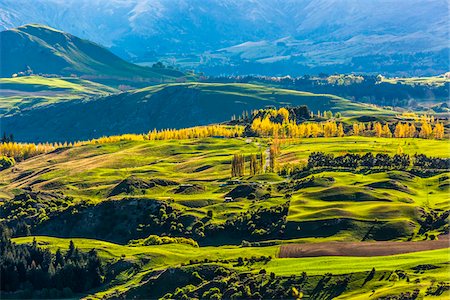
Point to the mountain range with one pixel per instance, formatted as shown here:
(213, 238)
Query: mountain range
(274, 37)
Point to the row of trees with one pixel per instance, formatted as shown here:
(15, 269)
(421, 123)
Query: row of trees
(172, 134)
(196, 132)
(238, 165)
(290, 129)
(31, 269)
(368, 160)
(256, 164)
(21, 151)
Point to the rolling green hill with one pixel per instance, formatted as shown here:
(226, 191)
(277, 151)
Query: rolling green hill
(154, 171)
(45, 50)
(103, 195)
(30, 91)
(164, 106)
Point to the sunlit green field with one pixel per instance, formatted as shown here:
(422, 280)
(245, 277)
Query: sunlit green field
(387, 204)
(89, 173)
(174, 254)
(29, 91)
(300, 149)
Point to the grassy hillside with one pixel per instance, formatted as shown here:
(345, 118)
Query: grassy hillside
(30, 91)
(46, 50)
(104, 195)
(164, 106)
(155, 172)
(175, 257)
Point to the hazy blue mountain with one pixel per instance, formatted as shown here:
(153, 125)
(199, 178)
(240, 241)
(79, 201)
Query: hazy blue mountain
(267, 36)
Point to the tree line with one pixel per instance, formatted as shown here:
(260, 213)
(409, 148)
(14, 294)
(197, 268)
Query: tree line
(37, 272)
(280, 124)
(256, 162)
(368, 160)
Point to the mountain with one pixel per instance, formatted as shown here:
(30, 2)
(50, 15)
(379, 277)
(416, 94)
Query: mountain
(401, 37)
(42, 49)
(162, 106)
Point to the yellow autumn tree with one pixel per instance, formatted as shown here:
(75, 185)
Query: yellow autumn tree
(340, 130)
(426, 130)
(386, 131)
(355, 129)
(284, 113)
(438, 131)
(378, 129)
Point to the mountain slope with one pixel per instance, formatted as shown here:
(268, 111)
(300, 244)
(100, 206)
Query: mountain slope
(298, 35)
(46, 50)
(29, 91)
(161, 106)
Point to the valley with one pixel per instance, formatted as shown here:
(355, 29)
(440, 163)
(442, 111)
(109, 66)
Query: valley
(119, 181)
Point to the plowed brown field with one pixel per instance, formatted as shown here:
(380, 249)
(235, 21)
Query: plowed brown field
(379, 248)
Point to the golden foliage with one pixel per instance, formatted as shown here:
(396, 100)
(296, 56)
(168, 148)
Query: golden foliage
(196, 132)
(21, 151)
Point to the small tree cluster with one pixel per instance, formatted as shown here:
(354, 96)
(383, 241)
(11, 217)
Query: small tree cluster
(238, 165)
(256, 164)
(30, 268)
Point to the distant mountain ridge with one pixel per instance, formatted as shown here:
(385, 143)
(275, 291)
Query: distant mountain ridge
(42, 49)
(275, 37)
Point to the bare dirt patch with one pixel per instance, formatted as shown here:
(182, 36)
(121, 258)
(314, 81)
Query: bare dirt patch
(381, 248)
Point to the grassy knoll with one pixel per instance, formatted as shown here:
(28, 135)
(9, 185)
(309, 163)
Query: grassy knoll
(352, 195)
(161, 255)
(250, 93)
(29, 91)
(128, 190)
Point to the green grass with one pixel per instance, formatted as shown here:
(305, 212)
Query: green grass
(300, 149)
(177, 105)
(173, 255)
(346, 265)
(264, 95)
(89, 173)
(31, 91)
(161, 255)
